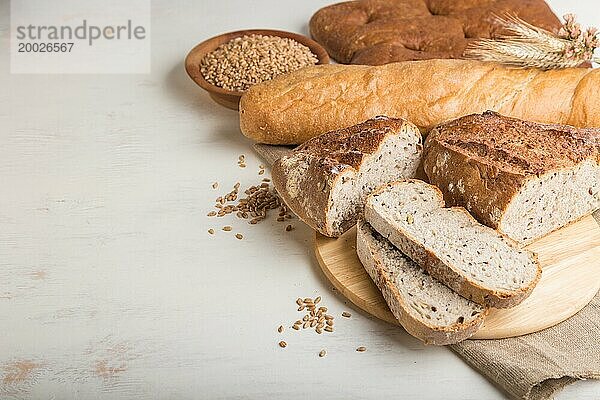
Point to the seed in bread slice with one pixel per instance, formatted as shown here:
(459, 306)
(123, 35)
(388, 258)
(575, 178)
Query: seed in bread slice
(327, 179)
(474, 260)
(523, 178)
(426, 308)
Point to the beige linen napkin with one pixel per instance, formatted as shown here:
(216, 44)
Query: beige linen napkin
(533, 366)
(537, 365)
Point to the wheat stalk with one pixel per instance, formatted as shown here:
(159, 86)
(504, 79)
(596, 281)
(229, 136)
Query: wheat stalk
(527, 46)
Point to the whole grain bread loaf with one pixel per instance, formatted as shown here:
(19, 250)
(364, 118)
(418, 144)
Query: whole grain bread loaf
(522, 178)
(326, 180)
(427, 309)
(475, 261)
(378, 32)
(300, 105)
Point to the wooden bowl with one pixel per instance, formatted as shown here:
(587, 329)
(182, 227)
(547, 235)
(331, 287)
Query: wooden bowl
(229, 98)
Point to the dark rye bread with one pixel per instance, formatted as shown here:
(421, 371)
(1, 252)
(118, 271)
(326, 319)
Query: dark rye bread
(427, 309)
(325, 181)
(523, 178)
(476, 261)
(376, 32)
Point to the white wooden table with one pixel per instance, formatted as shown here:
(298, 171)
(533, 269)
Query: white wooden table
(110, 286)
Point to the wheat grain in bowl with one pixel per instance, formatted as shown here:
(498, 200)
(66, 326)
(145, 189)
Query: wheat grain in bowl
(245, 61)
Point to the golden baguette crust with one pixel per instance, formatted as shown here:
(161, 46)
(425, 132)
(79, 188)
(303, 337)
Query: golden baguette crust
(295, 107)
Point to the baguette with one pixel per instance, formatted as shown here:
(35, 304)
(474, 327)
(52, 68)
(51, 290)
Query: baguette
(522, 178)
(295, 107)
(427, 309)
(474, 260)
(327, 179)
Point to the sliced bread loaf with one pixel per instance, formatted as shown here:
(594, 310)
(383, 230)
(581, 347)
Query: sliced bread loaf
(523, 178)
(426, 308)
(474, 260)
(327, 179)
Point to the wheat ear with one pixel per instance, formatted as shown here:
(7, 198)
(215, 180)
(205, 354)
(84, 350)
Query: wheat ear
(527, 46)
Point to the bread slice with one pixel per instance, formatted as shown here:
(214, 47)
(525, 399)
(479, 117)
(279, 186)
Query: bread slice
(474, 260)
(523, 178)
(326, 180)
(427, 309)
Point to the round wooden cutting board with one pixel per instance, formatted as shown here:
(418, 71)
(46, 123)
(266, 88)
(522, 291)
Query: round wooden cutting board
(570, 259)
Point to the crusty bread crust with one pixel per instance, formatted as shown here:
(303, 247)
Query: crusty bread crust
(378, 32)
(295, 107)
(481, 161)
(428, 333)
(447, 273)
(306, 177)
